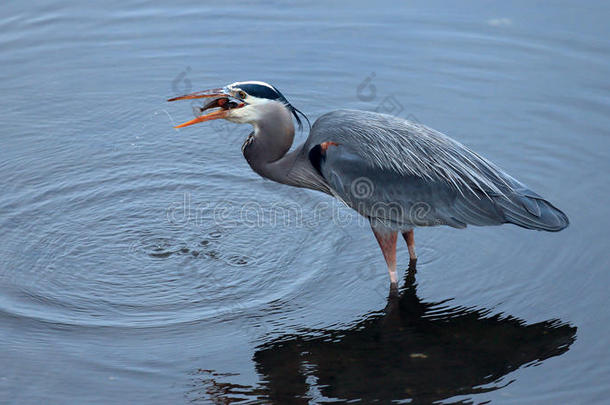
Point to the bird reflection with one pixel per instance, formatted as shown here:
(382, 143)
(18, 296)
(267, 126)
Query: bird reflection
(412, 350)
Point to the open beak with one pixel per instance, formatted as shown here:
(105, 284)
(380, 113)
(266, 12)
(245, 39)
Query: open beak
(220, 99)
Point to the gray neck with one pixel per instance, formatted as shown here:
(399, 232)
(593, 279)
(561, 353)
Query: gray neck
(266, 151)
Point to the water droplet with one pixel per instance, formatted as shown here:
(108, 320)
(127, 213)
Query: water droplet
(215, 234)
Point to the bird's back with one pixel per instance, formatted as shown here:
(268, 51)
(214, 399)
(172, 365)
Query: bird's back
(411, 165)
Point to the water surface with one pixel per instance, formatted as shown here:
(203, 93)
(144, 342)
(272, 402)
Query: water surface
(140, 264)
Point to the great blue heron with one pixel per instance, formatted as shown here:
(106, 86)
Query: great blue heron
(398, 174)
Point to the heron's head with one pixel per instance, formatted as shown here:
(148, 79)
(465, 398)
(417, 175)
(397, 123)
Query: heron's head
(239, 102)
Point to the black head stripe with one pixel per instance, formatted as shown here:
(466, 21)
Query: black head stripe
(261, 91)
(271, 93)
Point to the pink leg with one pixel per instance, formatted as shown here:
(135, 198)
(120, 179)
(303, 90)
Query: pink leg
(410, 239)
(387, 243)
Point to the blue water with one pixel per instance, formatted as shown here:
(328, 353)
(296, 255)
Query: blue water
(144, 264)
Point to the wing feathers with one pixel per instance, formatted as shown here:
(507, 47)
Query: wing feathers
(420, 164)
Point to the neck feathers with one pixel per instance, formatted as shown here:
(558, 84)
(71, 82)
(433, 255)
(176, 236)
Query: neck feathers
(272, 137)
(266, 150)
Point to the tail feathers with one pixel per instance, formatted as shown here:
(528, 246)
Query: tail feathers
(531, 211)
(521, 207)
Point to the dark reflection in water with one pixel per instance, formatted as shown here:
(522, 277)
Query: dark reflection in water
(414, 350)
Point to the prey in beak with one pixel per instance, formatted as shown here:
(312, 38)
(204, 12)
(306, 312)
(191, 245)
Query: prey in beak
(220, 99)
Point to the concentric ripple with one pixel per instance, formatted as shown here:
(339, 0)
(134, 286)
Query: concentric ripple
(149, 250)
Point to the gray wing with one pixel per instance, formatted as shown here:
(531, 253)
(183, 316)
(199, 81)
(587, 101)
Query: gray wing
(407, 174)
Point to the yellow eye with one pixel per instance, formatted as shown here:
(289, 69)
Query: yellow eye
(242, 94)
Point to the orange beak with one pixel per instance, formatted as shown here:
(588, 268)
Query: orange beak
(220, 99)
(207, 117)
